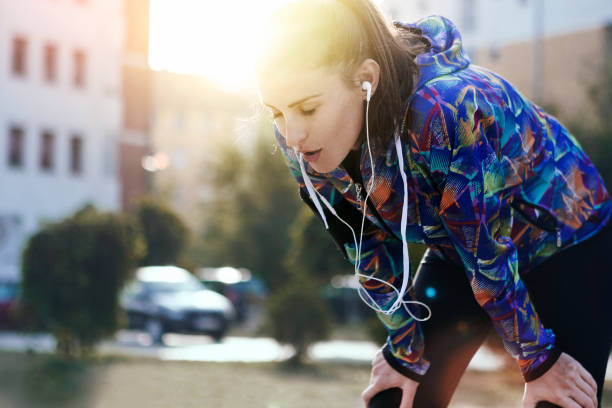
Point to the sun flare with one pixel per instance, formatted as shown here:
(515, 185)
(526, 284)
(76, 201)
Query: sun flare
(204, 37)
(215, 39)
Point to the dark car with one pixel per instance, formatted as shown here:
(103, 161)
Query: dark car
(9, 293)
(170, 299)
(246, 292)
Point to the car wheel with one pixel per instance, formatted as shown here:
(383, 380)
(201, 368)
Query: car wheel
(155, 329)
(219, 334)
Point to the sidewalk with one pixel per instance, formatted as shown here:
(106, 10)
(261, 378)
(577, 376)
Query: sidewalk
(232, 349)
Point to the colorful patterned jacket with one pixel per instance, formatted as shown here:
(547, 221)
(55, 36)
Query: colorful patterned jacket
(494, 184)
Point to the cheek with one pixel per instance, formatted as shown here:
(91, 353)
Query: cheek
(351, 120)
(337, 128)
(327, 127)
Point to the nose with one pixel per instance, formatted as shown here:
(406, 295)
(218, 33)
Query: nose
(295, 134)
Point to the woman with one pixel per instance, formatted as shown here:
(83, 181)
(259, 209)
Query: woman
(394, 137)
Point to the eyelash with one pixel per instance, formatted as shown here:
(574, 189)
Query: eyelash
(304, 112)
(308, 112)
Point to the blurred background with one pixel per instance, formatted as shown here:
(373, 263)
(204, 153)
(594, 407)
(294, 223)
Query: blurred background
(131, 138)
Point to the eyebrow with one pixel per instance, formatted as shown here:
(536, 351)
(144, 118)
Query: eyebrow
(297, 102)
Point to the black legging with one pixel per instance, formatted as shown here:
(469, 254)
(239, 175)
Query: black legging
(572, 294)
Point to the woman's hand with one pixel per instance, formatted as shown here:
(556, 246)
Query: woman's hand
(566, 384)
(383, 376)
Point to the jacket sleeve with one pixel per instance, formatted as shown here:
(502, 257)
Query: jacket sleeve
(380, 257)
(473, 213)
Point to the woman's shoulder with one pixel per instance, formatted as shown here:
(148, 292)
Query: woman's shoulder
(455, 95)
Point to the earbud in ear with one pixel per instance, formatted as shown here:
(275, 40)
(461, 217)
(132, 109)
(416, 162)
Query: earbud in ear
(367, 86)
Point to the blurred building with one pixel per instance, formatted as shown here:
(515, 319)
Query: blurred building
(134, 143)
(551, 50)
(191, 120)
(60, 113)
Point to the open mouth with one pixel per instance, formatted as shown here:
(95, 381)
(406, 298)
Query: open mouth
(311, 154)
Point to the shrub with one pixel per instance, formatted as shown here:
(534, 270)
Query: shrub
(164, 231)
(297, 315)
(72, 272)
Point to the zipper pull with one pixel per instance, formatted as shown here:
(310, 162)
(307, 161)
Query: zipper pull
(358, 189)
(558, 237)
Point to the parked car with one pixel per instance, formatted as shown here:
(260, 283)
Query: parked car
(9, 293)
(238, 285)
(170, 299)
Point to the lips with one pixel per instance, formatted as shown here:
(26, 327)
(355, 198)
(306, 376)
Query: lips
(311, 155)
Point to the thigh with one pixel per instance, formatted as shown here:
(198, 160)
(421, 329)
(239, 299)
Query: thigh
(454, 332)
(571, 293)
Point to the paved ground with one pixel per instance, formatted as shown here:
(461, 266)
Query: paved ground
(237, 348)
(180, 347)
(232, 348)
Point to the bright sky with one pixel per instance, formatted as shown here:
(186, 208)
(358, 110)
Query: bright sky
(207, 37)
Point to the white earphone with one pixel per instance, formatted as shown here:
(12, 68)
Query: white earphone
(367, 86)
(315, 195)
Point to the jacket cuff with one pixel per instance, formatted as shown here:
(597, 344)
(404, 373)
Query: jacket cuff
(540, 370)
(399, 367)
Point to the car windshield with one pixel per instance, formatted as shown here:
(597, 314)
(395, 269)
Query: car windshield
(166, 287)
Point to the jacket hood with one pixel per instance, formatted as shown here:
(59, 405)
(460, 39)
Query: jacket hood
(446, 55)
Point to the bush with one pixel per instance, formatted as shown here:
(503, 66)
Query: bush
(72, 272)
(164, 231)
(297, 315)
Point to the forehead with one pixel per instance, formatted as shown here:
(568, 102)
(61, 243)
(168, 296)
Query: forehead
(281, 88)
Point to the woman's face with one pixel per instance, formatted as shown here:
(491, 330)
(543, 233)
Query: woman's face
(317, 112)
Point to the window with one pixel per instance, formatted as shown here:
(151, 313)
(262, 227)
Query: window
(79, 69)
(20, 47)
(110, 157)
(15, 147)
(76, 154)
(50, 62)
(46, 151)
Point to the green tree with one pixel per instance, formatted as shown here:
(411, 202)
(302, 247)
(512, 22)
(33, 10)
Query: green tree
(246, 219)
(312, 250)
(72, 272)
(596, 138)
(164, 231)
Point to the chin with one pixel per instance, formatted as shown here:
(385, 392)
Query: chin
(323, 167)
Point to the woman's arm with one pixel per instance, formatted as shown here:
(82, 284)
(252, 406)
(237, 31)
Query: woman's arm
(472, 213)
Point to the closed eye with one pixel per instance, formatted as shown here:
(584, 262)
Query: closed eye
(308, 112)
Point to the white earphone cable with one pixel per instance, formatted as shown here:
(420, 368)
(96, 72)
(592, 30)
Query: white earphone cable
(314, 196)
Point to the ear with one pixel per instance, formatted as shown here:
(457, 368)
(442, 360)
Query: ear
(368, 70)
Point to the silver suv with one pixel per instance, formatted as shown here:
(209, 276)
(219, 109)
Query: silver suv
(170, 299)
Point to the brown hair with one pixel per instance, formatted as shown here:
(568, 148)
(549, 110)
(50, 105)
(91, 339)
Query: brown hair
(309, 34)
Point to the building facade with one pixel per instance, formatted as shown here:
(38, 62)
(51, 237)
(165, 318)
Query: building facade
(60, 114)
(135, 143)
(191, 120)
